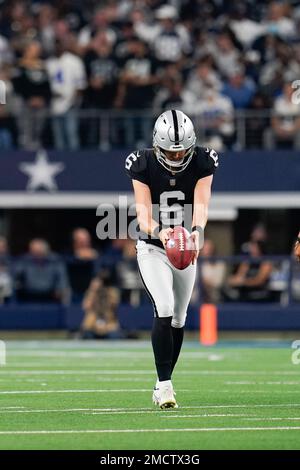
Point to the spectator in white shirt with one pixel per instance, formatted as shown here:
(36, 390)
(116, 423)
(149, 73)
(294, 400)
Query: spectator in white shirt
(226, 55)
(68, 80)
(6, 55)
(216, 115)
(202, 74)
(278, 21)
(285, 130)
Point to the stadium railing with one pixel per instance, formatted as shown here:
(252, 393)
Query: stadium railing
(109, 128)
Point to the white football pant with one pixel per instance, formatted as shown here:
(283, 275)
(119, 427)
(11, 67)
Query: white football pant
(169, 288)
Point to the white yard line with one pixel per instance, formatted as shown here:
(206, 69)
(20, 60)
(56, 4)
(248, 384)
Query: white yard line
(118, 390)
(4, 371)
(130, 390)
(272, 419)
(277, 382)
(11, 408)
(141, 410)
(80, 380)
(110, 354)
(71, 410)
(107, 431)
(206, 415)
(250, 392)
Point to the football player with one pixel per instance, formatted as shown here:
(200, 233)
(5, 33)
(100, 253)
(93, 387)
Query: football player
(171, 176)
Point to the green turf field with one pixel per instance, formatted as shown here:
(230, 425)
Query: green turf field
(97, 395)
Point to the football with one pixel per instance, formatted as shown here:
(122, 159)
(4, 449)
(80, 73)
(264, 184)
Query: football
(179, 248)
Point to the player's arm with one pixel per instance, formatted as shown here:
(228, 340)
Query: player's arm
(143, 202)
(261, 277)
(239, 277)
(202, 194)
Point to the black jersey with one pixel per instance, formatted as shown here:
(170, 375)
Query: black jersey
(172, 194)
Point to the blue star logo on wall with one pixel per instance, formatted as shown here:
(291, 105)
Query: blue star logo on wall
(41, 173)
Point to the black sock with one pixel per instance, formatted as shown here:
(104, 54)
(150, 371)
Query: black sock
(162, 343)
(177, 343)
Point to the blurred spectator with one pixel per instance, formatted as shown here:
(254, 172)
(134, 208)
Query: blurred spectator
(225, 53)
(102, 73)
(259, 233)
(6, 55)
(136, 91)
(204, 74)
(20, 27)
(174, 96)
(285, 132)
(238, 88)
(257, 122)
(40, 275)
(45, 21)
(81, 264)
(216, 115)
(127, 275)
(7, 122)
(281, 66)
(82, 245)
(6, 287)
(278, 21)
(113, 253)
(101, 22)
(212, 273)
(4, 251)
(68, 80)
(126, 35)
(100, 304)
(251, 281)
(64, 34)
(31, 83)
(245, 28)
(171, 41)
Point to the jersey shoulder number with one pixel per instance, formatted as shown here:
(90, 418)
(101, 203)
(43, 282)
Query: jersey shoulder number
(136, 166)
(207, 161)
(213, 154)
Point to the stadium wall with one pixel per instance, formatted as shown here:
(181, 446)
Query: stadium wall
(248, 317)
(85, 179)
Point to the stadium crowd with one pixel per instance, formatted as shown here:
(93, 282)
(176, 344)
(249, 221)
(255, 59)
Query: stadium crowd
(94, 73)
(99, 281)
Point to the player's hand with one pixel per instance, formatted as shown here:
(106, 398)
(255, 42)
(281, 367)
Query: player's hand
(297, 249)
(164, 235)
(195, 237)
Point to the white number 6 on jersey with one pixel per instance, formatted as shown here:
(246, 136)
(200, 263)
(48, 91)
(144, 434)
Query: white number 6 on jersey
(176, 209)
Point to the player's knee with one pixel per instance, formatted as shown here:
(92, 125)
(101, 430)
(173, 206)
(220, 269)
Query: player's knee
(178, 322)
(164, 310)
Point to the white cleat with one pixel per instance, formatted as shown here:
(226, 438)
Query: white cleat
(164, 397)
(155, 396)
